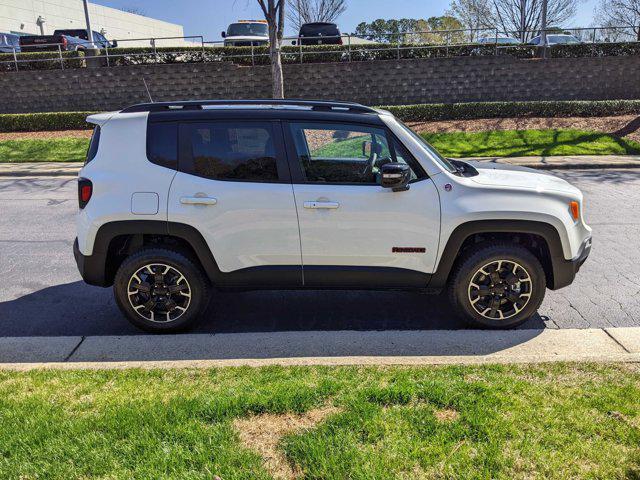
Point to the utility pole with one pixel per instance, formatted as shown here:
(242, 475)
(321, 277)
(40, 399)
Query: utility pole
(86, 17)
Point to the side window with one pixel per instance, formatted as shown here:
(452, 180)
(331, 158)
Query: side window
(93, 145)
(162, 144)
(241, 151)
(342, 153)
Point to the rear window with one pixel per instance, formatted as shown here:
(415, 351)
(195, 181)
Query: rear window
(318, 29)
(240, 151)
(72, 33)
(162, 144)
(93, 144)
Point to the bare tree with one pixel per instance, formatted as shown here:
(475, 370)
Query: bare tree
(307, 11)
(523, 18)
(620, 13)
(274, 14)
(475, 15)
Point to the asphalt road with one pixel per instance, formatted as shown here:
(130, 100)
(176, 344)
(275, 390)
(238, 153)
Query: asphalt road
(41, 292)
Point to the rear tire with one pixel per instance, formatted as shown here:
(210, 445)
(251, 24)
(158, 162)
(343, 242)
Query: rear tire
(160, 290)
(497, 285)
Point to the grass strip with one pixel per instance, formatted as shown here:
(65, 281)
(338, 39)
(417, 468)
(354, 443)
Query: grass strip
(503, 422)
(498, 143)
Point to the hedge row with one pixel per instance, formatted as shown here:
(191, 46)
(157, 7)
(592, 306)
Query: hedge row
(33, 122)
(40, 122)
(41, 61)
(310, 54)
(473, 110)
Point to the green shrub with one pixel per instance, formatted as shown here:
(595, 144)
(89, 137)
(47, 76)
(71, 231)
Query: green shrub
(467, 111)
(41, 61)
(37, 122)
(34, 122)
(617, 49)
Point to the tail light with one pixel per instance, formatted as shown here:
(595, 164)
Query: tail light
(64, 42)
(85, 190)
(339, 40)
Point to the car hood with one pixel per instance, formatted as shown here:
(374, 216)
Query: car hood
(246, 38)
(502, 175)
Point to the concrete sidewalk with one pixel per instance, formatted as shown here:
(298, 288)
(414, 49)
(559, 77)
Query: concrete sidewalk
(61, 169)
(322, 348)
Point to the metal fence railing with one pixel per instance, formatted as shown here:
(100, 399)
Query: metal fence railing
(346, 47)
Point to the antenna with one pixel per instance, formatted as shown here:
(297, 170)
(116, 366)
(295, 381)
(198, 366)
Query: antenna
(145, 86)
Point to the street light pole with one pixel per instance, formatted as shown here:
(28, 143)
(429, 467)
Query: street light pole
(86, 17)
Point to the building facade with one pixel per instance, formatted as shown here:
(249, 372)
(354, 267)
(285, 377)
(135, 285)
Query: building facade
(42, 17)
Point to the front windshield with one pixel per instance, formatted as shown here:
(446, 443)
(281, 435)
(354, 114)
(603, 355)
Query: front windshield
(446, 164)
(247, 30)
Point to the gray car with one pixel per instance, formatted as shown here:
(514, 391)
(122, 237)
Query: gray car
(9, 42)
(556, 39)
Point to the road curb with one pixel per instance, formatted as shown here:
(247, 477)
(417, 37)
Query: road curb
(256, 349)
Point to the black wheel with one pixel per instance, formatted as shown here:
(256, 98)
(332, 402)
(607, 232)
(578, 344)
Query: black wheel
(160, 290)
(497, 286)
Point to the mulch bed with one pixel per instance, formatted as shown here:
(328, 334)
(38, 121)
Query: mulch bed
(627, 126)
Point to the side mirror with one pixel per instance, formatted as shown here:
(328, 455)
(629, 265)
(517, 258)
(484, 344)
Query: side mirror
(366, 148)
(395, 176)
(114, 44)
(224, 34)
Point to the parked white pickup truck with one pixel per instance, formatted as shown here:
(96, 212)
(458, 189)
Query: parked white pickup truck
(246, 33)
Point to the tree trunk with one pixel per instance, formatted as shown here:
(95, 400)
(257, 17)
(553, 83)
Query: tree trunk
(277, 78)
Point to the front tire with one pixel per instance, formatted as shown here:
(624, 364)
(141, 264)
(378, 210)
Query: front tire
(497, 286)
(160, 290)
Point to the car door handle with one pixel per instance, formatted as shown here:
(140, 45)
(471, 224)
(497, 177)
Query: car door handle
(198, 201)
(330, 205)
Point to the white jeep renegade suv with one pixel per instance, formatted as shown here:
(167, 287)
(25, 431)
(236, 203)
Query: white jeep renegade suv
(180, 199)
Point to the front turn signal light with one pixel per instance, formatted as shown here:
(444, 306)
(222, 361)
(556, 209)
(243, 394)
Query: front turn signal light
(574, 208)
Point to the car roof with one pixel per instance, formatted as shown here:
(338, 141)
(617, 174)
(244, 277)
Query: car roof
(264, 114)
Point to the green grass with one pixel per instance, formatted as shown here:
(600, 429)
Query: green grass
(546, 421)
(507, 143)
(39, 150)
(521, 143)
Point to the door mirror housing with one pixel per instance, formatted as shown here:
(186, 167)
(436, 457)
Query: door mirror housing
(395, 176)
(224, 34)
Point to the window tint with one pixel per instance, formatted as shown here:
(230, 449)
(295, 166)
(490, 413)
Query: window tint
(338, 153)
(93, 145)
(232, 151)
(162, 144)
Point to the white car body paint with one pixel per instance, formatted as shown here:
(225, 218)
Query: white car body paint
(260, 224)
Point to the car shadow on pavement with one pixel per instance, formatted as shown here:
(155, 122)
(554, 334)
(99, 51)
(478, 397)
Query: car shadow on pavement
(76, 309)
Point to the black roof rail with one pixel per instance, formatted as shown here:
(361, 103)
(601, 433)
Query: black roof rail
(199, 104)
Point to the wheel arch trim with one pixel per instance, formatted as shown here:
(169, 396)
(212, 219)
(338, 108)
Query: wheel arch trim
(462, 232)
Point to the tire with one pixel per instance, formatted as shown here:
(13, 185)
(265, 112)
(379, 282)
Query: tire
(520, 276)
(177, 290)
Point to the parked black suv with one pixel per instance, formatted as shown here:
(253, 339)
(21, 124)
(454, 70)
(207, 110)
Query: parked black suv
(320, 33)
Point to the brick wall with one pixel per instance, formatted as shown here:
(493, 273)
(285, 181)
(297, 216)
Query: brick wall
(459, 79)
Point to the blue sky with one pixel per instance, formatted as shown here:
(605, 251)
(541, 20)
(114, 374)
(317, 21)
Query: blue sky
(210, 17)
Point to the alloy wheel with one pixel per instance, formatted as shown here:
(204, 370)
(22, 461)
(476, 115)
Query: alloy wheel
(500, 289)
(159, 293)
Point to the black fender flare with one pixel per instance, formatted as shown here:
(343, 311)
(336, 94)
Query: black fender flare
(562, 271)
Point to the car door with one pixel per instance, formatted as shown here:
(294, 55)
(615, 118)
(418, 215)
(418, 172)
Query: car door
(233, 186)
(353, 231)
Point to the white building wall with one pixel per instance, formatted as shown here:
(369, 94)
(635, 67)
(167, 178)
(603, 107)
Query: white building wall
(20, 17)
